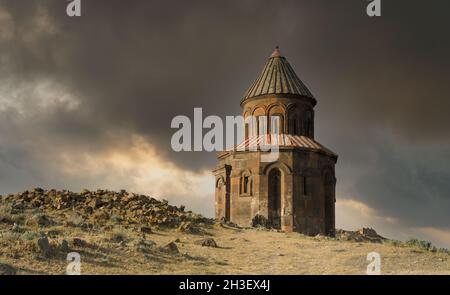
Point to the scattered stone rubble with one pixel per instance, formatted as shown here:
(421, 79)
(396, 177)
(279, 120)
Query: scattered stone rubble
(208, 242)
(6, 269)
(170, 248)
(145, 246)
(260, 221)
(100, 206)
(44, 246)
(361, 235)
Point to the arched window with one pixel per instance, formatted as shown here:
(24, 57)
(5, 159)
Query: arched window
(262, 125)
(276, 124)
(259, 115)
(246, 131)
(250, 126)
(247, 122)
(245, 186)
(293, 126)
(307, 125)
(219, 183)
(308, 128)
(276, 114)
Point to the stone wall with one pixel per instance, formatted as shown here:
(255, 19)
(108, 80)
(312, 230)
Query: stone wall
(292, 112)
(311, 213)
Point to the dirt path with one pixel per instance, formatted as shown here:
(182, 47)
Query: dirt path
(240, 252)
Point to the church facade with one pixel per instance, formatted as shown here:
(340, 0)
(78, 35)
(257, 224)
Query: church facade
(296, 191)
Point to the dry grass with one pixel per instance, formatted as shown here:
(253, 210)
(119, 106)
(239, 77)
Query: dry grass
(123, 249)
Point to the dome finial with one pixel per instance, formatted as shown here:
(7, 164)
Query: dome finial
(276, 52)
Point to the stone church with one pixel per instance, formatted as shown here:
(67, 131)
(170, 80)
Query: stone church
(296, 192)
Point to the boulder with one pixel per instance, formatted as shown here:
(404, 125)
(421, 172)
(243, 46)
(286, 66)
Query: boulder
(145, 246)
(361, 235)
(77, 242)
(146, 230)
(40, 220)
(260, 221)
(370, 232)
(208, 242)
(188, 227)
(99, 207)
(16, 228)
(64, 246)
(44, 246)
(170, 248)
(7, 270)
(38, 190)
(53, 233)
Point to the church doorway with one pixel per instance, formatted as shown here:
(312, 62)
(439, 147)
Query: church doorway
(274, 215)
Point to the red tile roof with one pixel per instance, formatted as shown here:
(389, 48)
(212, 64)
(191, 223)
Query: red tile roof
(278, 77)
(282, 141)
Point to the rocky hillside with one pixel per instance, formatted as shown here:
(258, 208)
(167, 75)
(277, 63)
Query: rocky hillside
(99, 207)
(121, 232)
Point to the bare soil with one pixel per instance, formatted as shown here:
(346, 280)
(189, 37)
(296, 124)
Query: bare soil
(241, 251)
(37, 240)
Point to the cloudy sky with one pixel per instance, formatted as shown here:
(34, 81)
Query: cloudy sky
(87, 102)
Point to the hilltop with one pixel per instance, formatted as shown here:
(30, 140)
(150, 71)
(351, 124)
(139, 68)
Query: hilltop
(126, 233)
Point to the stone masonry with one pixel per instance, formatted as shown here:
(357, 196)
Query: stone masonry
(297, 191)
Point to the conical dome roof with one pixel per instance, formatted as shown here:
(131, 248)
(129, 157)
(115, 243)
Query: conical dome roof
(278, 77)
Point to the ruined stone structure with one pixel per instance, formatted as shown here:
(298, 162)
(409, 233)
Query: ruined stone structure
(296, 192)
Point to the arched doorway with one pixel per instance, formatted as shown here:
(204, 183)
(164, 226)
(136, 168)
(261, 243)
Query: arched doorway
(274, 215)
(329, 204)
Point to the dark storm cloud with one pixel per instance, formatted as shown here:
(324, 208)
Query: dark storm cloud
(408, 183)
(382, 83)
